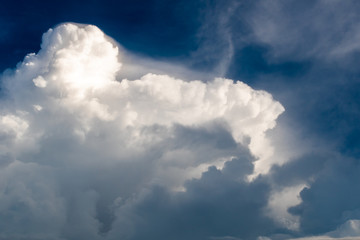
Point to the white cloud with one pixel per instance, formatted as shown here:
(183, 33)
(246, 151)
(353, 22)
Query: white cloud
(66, 115)
(279, 204)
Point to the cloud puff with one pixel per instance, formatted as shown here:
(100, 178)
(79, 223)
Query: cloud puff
(78, 144)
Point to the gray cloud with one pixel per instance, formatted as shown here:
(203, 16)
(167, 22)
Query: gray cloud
(332, 198)
(219, 205)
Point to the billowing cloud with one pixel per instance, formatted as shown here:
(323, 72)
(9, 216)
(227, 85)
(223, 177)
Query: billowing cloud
(82, 150)
(100, 143)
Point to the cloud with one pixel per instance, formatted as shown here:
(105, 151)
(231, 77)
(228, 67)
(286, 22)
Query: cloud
(95, 145)
(350, 230)
(297, 37)
(333, 187)
(320, 102)
(81, 147)
(219, 205)
(325, 238)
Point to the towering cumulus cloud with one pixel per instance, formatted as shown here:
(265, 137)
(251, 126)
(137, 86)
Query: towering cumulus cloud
(82, 150)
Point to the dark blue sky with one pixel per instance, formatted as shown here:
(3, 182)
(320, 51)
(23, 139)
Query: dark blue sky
(305, 53)
(158, 28)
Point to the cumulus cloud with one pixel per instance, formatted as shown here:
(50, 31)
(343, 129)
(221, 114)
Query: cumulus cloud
(81, 147)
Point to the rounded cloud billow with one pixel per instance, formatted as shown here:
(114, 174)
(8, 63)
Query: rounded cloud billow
(79, 145)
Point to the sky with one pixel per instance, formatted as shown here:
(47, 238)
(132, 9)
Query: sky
(198, 120)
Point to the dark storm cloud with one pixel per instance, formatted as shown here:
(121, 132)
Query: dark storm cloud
(219, 205)
(332, 199)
